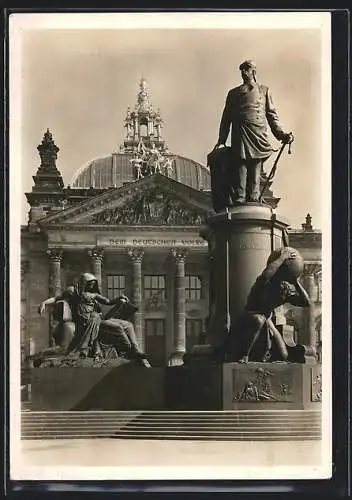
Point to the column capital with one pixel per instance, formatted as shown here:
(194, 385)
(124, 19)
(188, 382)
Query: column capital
(311, 268)
(178, 254)
(96, 253)
(55, 254)
(136, 254)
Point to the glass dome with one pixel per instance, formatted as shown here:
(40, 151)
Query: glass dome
(116, 169)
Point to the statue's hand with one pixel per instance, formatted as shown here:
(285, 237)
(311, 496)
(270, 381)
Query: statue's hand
(288, 138)
(288, 253)
(41, 309)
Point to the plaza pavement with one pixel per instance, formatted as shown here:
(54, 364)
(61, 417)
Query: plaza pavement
(105, 453)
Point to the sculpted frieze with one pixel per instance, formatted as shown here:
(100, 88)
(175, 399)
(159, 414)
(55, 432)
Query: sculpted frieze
(316, 387)
(264, 385)
(151, 208)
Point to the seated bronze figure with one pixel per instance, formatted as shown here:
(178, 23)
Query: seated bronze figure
(83, 331)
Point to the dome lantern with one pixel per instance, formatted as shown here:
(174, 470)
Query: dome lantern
(143, 124)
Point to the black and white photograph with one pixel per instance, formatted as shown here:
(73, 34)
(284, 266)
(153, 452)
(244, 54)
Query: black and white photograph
(170, 241)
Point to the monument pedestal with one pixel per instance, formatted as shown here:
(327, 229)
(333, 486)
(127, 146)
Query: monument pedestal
(222, 402)
(119, 387)
(240, 242)
(210, 386)
(237, 386)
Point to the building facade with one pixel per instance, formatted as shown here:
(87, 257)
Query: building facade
(134, 219)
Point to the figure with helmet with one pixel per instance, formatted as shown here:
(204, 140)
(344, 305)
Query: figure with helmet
(88, 328)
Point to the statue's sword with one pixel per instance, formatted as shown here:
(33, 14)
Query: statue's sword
(274, 168)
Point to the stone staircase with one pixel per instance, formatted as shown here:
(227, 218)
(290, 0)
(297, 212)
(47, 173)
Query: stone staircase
(251, 425)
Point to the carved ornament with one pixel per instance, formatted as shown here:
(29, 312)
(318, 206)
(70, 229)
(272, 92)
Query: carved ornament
(152, 208)
(317, 388)
(263, 387)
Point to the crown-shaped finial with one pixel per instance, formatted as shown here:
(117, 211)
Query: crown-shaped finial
(307, 225)
(48, 149)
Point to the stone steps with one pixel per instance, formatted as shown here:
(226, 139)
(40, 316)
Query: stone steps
(181, 425)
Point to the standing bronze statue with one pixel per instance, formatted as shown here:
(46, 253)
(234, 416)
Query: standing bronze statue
(248, 110)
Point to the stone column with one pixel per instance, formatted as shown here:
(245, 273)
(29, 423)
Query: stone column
(136, 256)
(179, 255)
(309, 336)
(96, 256)
(55, 256)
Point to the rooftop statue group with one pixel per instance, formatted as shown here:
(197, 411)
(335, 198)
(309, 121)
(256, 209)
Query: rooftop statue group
(151, 161)
(83, 332)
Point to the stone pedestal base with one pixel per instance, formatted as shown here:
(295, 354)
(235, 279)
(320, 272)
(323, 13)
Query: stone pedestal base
(252, 386)
(123, 387)
(214, 386)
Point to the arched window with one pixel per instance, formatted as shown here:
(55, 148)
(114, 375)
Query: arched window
(143, 128)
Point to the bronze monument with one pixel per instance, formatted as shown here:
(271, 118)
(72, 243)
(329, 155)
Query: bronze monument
(249, 108)
(82, 331)
(254, 336)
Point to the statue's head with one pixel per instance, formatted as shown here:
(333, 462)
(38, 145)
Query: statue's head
(88, 283)
(292, 268)
(248, 70)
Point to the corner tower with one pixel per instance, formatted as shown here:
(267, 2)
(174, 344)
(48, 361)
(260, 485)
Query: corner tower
(48, 190)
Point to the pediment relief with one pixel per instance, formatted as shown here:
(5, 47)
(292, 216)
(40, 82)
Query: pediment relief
(146, 202)
(151, 208)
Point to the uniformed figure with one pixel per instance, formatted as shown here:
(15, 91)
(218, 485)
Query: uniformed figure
(248, 110)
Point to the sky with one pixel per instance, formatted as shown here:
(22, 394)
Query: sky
(79, 83)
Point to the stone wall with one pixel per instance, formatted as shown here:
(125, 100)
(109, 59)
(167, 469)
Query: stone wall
(35, 288)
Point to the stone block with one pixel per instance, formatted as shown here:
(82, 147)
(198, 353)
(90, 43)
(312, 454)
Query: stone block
(194, 387)
(121, 387)
(275, 386)
(206, 387)
(237, 386)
